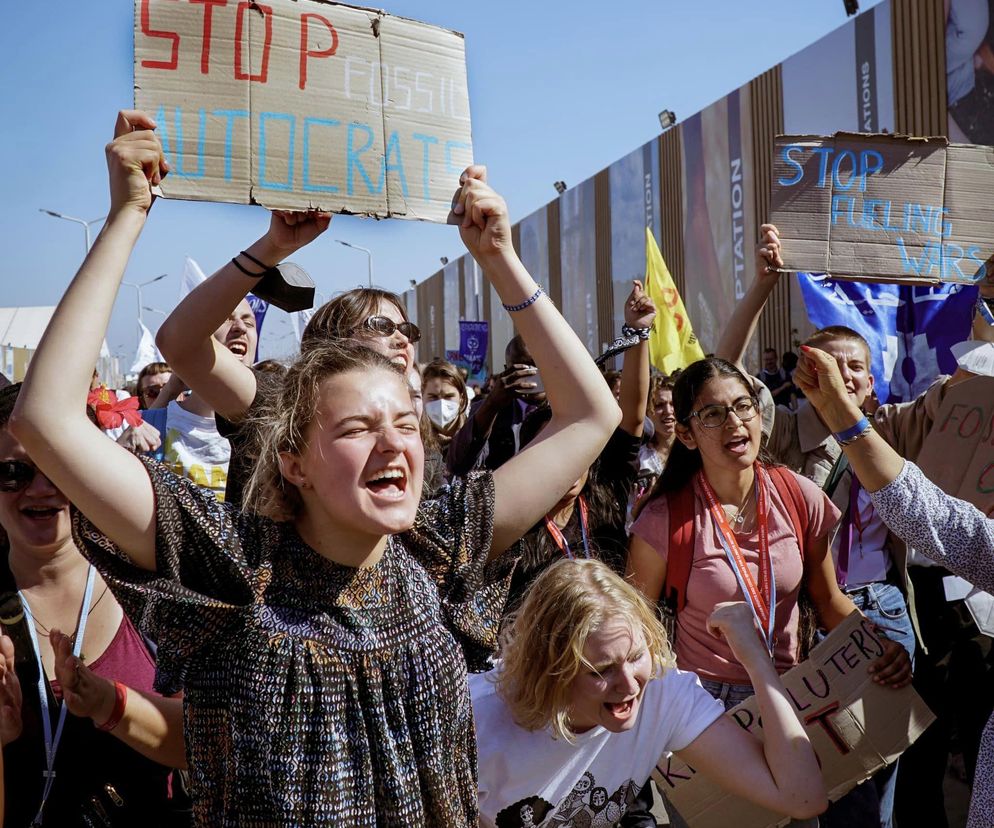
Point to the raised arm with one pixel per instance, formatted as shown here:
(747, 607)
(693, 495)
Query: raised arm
(584, 411)
(186, 337)
(951, 531)
(102, 479)
(640, 311)
(742, 325)
(781, 772)
(149, 724)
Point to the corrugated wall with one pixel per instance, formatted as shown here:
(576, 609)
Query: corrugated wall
(602, 255)
(766, 95)
(671, 204)
(918, 29)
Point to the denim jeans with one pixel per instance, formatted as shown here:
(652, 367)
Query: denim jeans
(885, 606)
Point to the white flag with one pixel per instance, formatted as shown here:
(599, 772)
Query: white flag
(147, 352)
(299, 320)
(192, 276)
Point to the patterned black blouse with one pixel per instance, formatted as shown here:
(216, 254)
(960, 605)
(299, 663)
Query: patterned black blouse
(318, 694)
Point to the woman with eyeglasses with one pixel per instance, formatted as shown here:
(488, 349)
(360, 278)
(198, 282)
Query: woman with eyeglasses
(321, 635)
(108, 761)
(722, 524)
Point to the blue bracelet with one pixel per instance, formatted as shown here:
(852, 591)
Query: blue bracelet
(844, 438)
(531, 300)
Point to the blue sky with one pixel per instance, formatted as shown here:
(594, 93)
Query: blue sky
(558, 90)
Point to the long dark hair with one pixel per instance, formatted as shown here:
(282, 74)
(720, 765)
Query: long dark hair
(683, 463)
(603, 505)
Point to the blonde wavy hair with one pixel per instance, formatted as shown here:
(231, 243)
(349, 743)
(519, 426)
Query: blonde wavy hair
(283, 422)
(542, 647)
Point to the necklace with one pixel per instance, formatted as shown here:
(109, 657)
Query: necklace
(738, 517)
(46, 631)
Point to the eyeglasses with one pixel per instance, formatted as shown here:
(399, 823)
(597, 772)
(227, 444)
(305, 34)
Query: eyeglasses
(16, 475)
(714, 416)
(385, 326)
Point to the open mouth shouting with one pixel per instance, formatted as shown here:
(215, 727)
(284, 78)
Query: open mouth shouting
(41, 514)
(622, 711)
(389, 483)
(738, 445)
(239, 347)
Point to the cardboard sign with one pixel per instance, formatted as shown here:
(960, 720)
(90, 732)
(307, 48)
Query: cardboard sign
(880, 207)
(958, 453)
(304, 104)
(855, 727)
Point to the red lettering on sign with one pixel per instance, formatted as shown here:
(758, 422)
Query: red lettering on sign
(821, 717)
(148, 31)
(985, 483)
(205, 49)
(980, 417)
(951, 416)
(304, 51)
(267, 13)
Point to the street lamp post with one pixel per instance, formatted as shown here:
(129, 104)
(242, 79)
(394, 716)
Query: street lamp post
(138, 287)
(369, 256)
(86, 224)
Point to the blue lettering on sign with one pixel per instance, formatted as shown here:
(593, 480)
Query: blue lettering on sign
(229, 134)
(353, 161)
(427, 141)
(393, 146)
(265, 118)
(163, 133)
(788, 159)
(449, 146)
(306, 172)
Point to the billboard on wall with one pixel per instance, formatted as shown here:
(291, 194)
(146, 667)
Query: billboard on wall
(718, 221)
(970, 70)
(858, 58)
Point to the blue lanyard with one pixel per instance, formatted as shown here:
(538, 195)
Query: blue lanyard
(52, 745)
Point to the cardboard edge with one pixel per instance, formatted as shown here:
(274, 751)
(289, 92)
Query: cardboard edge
(380, 13)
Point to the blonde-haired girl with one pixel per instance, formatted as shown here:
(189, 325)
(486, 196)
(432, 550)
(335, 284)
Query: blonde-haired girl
(586, 700)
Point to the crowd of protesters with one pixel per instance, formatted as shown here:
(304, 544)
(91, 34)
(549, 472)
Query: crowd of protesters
(349, 591)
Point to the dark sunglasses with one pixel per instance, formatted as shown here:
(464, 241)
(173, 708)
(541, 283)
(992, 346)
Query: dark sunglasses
(16, 475)
(385, 326)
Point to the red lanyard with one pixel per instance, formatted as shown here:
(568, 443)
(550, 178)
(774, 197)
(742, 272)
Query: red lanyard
(560, 538)
(761, 598)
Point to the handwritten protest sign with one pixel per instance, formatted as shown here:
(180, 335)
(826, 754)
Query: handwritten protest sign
(881, 207)
(298, 104)
(855, 727)
(958, 453)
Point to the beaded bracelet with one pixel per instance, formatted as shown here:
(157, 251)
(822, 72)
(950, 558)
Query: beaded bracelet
(642, 333)
(120, 703)
(531, 300)
(852, 434)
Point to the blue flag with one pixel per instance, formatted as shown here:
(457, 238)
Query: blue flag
(259, 308)
(910, 328)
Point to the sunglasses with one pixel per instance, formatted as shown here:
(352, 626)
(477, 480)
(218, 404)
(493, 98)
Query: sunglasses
(16, 475)
(385, 326)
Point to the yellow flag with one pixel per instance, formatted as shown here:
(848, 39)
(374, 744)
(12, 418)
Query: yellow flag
(672, 343)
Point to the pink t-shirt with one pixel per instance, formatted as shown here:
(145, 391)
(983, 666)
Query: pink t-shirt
(713, 581)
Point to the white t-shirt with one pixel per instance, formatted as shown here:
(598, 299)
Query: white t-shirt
(529, 778)
(193, 448)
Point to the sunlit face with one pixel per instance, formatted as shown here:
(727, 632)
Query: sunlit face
(238, 333)
(663, 414)
(731, 446)
(364, 461)
(37, 518)
(608, 693)
(854, 365)
(151, 385)
(396, 347)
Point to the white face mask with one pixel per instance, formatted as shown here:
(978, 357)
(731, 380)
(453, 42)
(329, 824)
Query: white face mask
(442, 412)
